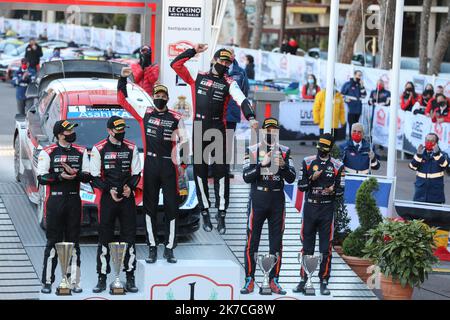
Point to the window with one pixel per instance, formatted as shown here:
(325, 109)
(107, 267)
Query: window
(52, 115)
(45, 101)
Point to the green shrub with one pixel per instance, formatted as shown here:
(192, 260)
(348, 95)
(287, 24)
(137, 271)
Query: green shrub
(354, 243)
(369, 217)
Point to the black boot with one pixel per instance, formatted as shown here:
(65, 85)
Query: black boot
(220, 217)
(207, 225)
(324, 288)
(300, 288)
(46, 288)
(152, 255)
(130, 286)
(168, 254)
(101, 284)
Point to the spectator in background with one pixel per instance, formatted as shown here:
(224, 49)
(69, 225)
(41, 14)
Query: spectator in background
(442, 111)
(357, 154)
(430, 164)
(109, 54)
(21, 79)
(439, 89)
(432, 103)
(285, 46)
(338, 110)
(33, 54)
(427, 96)
(354, 92)
(250, 67)
(380, 96)
(72, 44)
(233, 110)
(292, 46)
(409, 97)
(310, 90)
(145, 72)
(56, 55)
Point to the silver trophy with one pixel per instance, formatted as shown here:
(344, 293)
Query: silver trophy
(266, 263)
(117, 251)
(309, 264)
(64, 250)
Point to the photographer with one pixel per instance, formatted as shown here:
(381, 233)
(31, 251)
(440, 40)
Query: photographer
(116, 171)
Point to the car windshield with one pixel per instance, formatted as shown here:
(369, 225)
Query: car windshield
(92, 129)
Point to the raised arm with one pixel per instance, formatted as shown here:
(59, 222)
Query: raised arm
(137, 111)
(178, 65)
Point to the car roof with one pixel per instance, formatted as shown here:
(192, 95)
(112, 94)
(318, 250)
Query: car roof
(82, 84)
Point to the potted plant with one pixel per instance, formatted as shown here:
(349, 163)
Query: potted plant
(403, 251)
(369, 217)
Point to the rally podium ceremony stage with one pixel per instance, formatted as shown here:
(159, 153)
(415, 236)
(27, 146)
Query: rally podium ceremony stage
(209, 260)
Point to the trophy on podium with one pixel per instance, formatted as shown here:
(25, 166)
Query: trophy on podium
(64, 250)
(117, 251)
(309, 264)
(266, 263)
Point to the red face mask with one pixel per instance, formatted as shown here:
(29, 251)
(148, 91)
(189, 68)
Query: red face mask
(429, 146)
(357, 137)
(380, 87)
(24, 66)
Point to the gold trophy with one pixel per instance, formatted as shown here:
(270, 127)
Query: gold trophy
(117, 251)
(64, 250)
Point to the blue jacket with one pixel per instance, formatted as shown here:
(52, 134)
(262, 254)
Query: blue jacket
(239, 75)
(430, 170)
(358, 160)
(21, 83)
(384, 97)
(352, 89)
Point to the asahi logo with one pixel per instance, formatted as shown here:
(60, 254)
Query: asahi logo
(191, 12)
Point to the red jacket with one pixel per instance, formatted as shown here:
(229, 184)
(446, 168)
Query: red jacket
(445, 115)
(147, 78)
(305, 93)
(408, 104)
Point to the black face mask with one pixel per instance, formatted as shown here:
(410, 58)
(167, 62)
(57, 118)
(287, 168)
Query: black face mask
(221, 69)
(119, 136)
(146, 60)
(409, 90)
(271, 138)
(429, 93)
(443, 104)
(322, 153)
(160, 104)
(70, 138)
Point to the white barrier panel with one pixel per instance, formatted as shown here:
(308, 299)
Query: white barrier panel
(121, 41)
(191, 280)
(380, 131)
(297, 117)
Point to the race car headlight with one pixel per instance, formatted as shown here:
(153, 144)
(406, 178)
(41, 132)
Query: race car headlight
(86, 187)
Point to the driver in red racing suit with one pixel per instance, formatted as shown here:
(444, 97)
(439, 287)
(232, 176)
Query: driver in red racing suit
(211, 92)
(161, 127)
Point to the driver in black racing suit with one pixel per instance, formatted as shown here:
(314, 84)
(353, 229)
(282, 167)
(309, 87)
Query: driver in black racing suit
(211, 92)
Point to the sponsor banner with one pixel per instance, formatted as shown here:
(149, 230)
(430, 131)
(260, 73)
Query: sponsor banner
(380, 130)
(81, 112)
(416, 127)
(297, 121)
(184, 24)
(192, 280)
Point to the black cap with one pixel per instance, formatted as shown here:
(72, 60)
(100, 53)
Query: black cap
(326, 142)
(224, 54)
(63, 125)
(116, 123)
(160, 88)
(271, 123)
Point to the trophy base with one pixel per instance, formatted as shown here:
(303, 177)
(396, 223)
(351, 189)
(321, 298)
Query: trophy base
(309, 292)
(117, 291)
(63, 292)
(265, 291)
